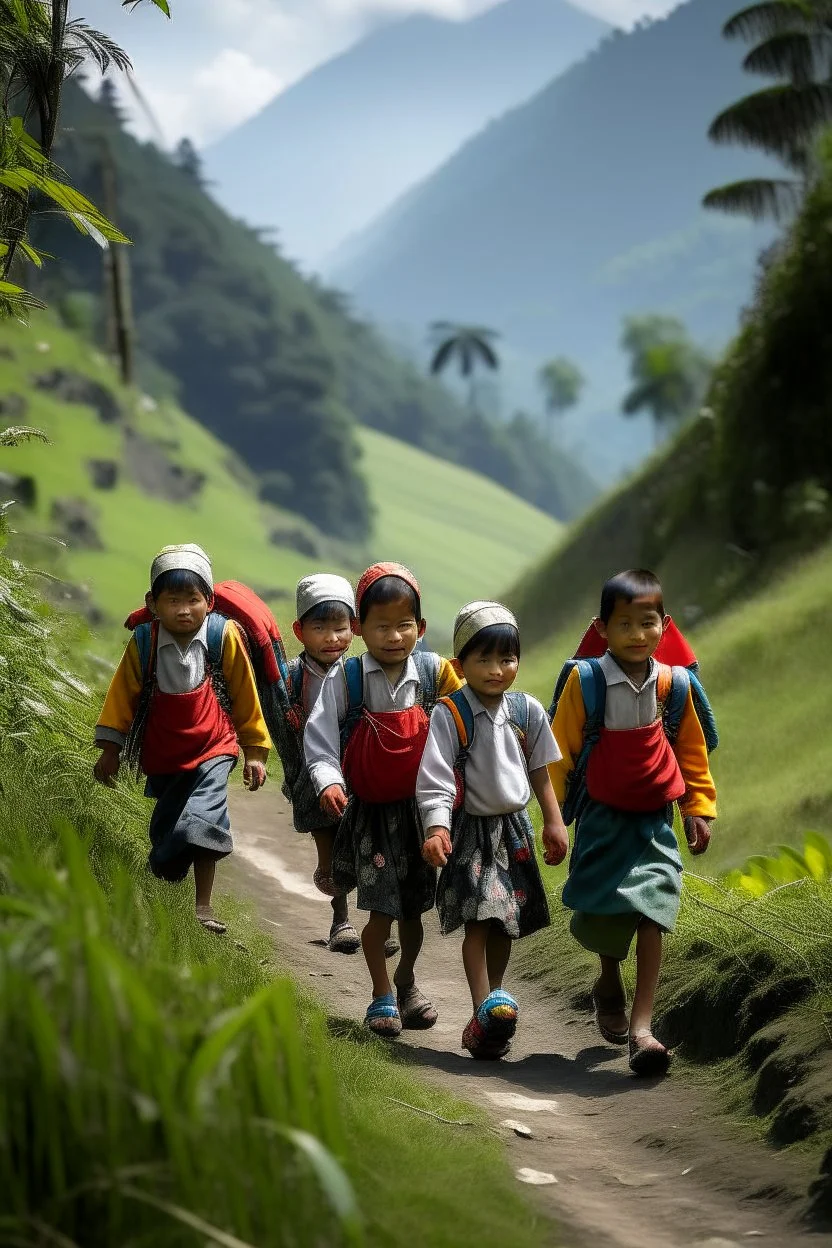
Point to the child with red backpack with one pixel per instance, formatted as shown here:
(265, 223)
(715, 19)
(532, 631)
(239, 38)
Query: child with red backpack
(365, 737)
(182, 698)
(634, 735)
(487, 750)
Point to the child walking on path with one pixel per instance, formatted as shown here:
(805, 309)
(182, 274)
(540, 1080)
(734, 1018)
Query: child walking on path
(185, 721)
(365, 736)
(499, 745)
(625, 870)
(325, 614)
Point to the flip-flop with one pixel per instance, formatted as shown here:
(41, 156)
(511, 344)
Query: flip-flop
(648, 1056)
(498, 1017)
(211, 923)
(604, 1007)
(482, 1048)
(417, 1013)
(343, 938)
(383, 1018)
(324, 883)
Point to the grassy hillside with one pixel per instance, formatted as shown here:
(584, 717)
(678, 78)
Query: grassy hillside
(432, 514)
(616, 149)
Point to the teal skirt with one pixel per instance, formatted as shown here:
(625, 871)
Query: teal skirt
(624, 867)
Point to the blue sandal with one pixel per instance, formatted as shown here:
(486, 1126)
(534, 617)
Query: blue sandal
(498, 1018)
(383, 1017)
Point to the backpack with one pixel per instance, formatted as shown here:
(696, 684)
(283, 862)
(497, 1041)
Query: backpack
(594, 694)
(517, 705)
(258, 627)
(427, 668)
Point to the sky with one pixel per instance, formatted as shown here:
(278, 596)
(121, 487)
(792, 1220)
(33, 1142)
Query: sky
(217, 62)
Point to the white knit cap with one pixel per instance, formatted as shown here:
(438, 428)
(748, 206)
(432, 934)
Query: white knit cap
(474, 618)
(185, 558)
(323, 587)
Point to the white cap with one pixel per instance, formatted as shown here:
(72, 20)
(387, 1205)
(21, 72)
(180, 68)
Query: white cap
(185, 558)
(476, 616)
(323, 587)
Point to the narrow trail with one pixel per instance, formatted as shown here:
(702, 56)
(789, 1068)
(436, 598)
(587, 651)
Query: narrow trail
(639, 1164)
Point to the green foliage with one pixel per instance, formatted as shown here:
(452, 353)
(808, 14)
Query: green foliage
(562, 382)
(763, 872)
(669, 374)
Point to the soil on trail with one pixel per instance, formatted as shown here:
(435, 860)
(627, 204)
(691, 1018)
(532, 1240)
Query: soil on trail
(638, 1163)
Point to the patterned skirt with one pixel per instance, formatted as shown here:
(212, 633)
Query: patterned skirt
(190, 815)
(625, 866)
(378, 851)
(307, 815)
(493, 875)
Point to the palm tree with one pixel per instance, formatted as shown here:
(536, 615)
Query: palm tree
(781, 120)
(470, 345)
(668, 371)
(562, 382)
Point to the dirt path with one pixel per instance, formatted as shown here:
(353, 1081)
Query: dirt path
(638, 1164)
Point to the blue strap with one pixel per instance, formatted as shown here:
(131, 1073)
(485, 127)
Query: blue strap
(216, 632)
(353, 671)
(594, 694)
(705, 712)
(676, 700)
(294, 681)
(427, 667)
(143, 634)
(517, 705)
(468, 718)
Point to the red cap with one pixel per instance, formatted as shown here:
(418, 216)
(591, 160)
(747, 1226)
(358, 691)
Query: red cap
(377, 571)
(672, 649)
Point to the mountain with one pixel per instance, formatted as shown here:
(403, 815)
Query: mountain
(328, 154)
(272, 363)
(574, 209)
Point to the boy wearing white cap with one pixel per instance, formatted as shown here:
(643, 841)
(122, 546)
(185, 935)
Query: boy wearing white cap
(487, 751)
(186, 723)
(325, 612)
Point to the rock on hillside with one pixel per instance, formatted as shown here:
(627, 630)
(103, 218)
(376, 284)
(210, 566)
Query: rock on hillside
(332, 151)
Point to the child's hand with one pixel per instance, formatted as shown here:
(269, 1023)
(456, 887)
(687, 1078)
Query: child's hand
(555, 843)
(254, 775)
(333, 801)
(437, 847)
(109, 761)
(697, 833)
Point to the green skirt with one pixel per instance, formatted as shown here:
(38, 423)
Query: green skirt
(624, 867)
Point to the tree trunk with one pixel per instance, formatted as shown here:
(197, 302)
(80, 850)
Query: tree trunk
(119, 312)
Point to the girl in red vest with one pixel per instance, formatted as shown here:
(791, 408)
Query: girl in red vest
(191, 721)
(625, 872)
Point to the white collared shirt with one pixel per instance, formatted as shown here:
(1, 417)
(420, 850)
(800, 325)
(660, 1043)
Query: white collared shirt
(322, 735)
(496, 771)
(627, 706)
(181, 670)
(313, 679)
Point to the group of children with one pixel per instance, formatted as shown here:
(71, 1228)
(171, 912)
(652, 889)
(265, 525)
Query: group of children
(413, 775)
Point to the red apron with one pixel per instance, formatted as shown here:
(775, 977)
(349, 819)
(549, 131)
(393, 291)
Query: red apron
(184, 730)
(634, 770)
(381, 761)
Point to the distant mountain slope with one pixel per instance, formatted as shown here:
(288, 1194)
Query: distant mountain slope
(574, 209)
(336, 148)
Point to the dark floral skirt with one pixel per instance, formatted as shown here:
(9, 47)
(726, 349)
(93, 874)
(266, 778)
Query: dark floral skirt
(307, 815)
(492, 875)
(378, 851)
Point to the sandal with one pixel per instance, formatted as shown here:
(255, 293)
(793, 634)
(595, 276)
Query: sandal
(480, 1045)
(606, 1007)
(416, 1011)
(343, 938)
(210, 922)
(383, 1018)
(324, 883)
(648, 1056)
(498, 1017)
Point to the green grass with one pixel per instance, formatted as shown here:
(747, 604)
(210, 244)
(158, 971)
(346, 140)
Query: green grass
(165, 1087)
(462, 535)
(465, 536)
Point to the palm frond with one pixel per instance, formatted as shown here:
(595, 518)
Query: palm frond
(762, 199)
(640, 397)
(96, 46)
(442, 355)
(776, 120)
(793, 54)
(483, 348)
(160, 4)
(761, 21)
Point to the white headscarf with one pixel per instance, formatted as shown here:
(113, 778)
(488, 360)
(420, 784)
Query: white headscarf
(187, 557)
(323, 587)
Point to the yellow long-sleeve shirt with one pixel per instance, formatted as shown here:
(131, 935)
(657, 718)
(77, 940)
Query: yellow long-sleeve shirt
(125, 689)
(689, 748)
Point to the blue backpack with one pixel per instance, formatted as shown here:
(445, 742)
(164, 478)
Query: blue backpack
(594, 694)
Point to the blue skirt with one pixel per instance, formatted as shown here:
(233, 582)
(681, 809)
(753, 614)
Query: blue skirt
(190, 816)
(624, 865)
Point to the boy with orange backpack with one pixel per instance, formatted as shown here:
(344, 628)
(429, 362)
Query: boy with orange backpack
(634, 736)
(363, 744)
(181, 705)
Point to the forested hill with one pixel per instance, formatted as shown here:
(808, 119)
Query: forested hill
(347, 139)
(577, 208)
(271, 363)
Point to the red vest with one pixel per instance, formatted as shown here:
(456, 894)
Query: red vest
(634, 770)
(185, 729)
